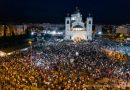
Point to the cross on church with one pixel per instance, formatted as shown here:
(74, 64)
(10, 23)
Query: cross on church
(77, 9)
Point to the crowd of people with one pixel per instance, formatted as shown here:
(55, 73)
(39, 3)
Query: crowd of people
(114, 50)
(63, 66)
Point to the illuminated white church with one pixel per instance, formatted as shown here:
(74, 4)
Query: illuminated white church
(75, 28)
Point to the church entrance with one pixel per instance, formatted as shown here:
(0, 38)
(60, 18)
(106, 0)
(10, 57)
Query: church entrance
(78, 38)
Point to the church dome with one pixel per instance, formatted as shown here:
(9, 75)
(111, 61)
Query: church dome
(78, 26)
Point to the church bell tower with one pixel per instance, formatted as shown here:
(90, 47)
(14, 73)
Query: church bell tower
(67, 27)
(89, 27)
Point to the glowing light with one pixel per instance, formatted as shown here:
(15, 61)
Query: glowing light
(73, 18)
(78, 38)
(25, 49)
(99, 33)
(30, 42)
(9, 53)
(54, 32)
(2, 54)
(78, 29)
(77, 53)
(32, 33)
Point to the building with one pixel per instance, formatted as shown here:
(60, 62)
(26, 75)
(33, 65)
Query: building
(98, 29)
(75, 28)
(124, 29)
(108, 29)
(11, 30)
(48, 26)
(128, 26)
(20, 29)
(1, 30)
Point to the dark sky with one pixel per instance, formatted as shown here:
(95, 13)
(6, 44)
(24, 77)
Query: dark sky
(54, 11)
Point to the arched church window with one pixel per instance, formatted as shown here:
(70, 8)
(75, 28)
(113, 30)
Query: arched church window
(68, 22)
(89, 22)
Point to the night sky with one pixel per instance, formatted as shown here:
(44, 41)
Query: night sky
(54, 11)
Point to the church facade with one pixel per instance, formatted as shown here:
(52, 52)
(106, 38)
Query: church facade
(75, 28)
